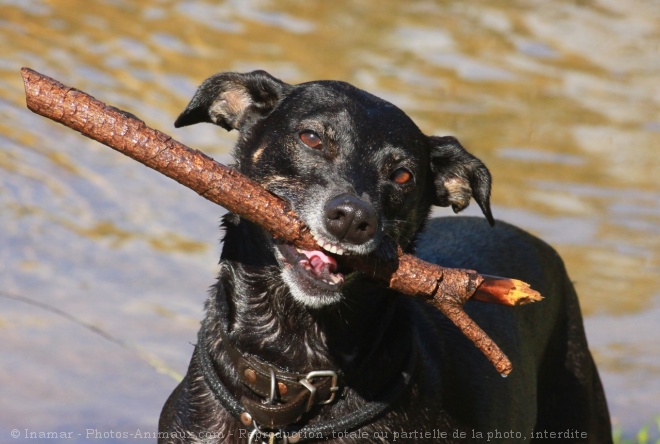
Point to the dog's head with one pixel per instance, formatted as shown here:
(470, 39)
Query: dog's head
(354, 167)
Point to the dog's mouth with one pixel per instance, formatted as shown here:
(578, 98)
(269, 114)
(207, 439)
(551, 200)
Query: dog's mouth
(317, 269)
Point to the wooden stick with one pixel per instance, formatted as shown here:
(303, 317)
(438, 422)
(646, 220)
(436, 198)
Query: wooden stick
(445, 288)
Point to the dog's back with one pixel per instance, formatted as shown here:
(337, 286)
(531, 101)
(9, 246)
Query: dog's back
(555, 386)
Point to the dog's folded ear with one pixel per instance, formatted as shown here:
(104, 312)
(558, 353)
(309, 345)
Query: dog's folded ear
(458, 175)
(233, 100)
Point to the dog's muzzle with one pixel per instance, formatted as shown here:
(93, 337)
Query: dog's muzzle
(343, 224)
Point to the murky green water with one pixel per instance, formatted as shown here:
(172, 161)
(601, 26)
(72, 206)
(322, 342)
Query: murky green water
(560, 99)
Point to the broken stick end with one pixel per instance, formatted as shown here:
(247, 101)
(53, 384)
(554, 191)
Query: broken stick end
(521, 293)
(506, 291)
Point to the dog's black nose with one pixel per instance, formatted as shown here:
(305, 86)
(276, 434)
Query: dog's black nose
(350, 218)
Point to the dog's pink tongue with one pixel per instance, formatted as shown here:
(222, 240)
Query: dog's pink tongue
(320, 261)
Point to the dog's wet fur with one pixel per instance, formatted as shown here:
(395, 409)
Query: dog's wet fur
(358, 171)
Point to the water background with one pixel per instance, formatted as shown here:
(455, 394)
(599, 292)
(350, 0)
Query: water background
(104, 264)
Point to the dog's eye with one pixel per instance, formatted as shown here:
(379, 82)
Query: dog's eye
(401, 176)
(310, 138)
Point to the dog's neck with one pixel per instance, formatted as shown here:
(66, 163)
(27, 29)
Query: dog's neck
(263, 320)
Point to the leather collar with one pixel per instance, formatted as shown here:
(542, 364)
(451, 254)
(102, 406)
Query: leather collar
(294, 394)
(285, 396)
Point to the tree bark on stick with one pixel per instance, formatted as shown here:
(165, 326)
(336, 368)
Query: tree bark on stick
(446, 288)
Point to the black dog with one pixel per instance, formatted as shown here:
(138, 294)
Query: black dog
(297, 347)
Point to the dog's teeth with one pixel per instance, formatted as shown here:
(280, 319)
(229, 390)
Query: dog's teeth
(340, 251)
(333, 249)
(321, 243)
(300, 250)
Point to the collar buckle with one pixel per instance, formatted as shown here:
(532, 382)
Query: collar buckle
(307, 383)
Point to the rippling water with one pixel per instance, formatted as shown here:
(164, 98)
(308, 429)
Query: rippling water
(105, 265)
